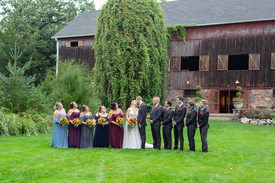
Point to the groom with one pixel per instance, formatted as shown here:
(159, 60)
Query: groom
(142, 111)
(155, 120)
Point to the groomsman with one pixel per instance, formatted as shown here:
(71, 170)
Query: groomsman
(155, 120)
(203, 117)
(191, 123)
(142, 113)
(179, 116)
(167, 117)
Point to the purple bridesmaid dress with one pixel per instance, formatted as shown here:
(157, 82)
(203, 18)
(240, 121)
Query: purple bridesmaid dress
(74, 133)
(115, 133)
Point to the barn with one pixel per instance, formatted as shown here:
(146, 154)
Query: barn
(228, 44)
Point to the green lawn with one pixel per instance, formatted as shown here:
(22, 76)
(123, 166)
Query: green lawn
(238, 153)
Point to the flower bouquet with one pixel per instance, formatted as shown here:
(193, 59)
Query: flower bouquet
(63, 120)
(76, 122)
(101, 121)
(132, 123)
(90, 122)
(119, 120)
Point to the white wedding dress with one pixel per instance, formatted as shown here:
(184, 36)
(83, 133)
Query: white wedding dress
(131, 139)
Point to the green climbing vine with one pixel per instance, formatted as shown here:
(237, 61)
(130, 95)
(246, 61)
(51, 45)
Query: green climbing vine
(131, 52)
(179, 30)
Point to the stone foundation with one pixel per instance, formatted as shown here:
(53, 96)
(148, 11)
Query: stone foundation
(261, 99)
(257, 98)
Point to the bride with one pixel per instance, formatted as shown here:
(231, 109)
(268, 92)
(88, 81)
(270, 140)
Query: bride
(131, 139)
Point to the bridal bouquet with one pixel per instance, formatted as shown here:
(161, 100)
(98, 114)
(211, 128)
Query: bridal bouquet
(90, 122)
(63, 120)
(119, 120)
(132, 123)
(76, 122)
(101, 121)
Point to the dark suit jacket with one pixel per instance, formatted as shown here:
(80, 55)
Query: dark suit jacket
(180, 113)
(191, 117)
(203, 117)
(156, 115)
(142, 113)
(167, 117)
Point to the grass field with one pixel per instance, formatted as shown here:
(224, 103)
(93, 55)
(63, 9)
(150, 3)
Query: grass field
(238, 153)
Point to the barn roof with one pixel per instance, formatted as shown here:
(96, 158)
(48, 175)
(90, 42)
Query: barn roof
(198, 12)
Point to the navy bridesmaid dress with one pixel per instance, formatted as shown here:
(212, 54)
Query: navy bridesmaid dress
(101, 138)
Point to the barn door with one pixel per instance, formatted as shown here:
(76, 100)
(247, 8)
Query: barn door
(214, 101)
(245, 96)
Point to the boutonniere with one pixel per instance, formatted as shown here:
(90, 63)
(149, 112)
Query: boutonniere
(167, 110)
(139, 106)
(189, 112)
(156, 107)
(200, 113)
(179, 109)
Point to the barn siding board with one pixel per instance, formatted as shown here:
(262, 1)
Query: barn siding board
(262, 78)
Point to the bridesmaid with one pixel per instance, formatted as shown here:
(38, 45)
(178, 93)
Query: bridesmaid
(86, 140)
(116, 129)
(59, 136)
(74, 133)
(102, 130)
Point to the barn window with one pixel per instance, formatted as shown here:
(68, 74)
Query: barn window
(190, 63)
(204, 63)
(254, 61)
(238, 62)
(74, 43)
(175, 64)
(189, 93)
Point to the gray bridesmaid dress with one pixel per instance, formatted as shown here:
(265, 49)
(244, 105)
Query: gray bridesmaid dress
(86, 140)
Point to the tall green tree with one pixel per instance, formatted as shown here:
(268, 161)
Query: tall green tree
(31, 24)
(18, 92)
(131, 51)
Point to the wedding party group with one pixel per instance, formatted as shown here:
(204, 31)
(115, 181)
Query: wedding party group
(75, 129)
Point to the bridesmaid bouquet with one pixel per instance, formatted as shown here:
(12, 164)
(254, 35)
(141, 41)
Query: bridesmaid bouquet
(63, 120)
(119, 120)
(101, 121)
(90, 122)
(76, 122)
(132, 123)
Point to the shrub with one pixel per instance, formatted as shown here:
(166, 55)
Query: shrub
(273, 115)
(13, 124)
(74, 83)
(198, 93)
(238, 98)
(255, 114)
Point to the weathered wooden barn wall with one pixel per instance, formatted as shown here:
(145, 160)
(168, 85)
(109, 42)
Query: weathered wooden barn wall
(232, 39)
(83, 53)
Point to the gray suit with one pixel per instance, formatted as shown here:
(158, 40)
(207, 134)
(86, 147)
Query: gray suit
(155, 116)
(142, 112)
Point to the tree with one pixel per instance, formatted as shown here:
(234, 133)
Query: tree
(131, 51)
(18, 92)
(31, 24)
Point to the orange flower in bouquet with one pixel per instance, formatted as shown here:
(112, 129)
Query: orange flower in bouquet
(63, 121)
(76, 122)
(90, 122)
(132, 123)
